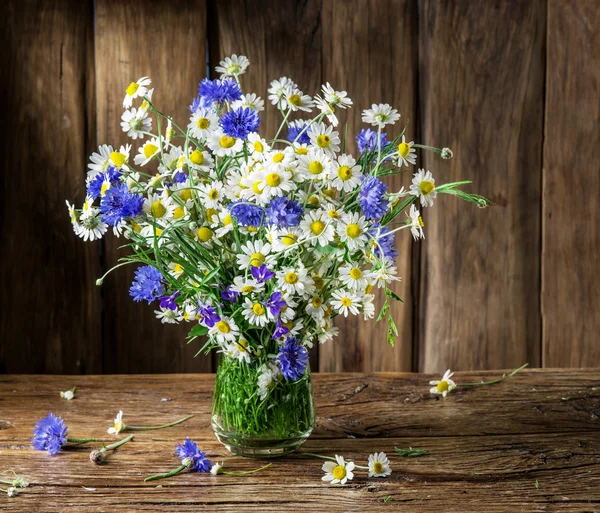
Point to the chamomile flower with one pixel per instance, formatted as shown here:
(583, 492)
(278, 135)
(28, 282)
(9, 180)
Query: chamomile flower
(379, 465)
(118, 424)
(91, 227)
(316, 307)
(336, 98)
(159, 207)
(225, 330)
(258, 147)
(406, 153)
(324, 138)
(317, 227)
(278, 89)
(385, 273)
(423, 187)
(338, 471)
(353, 277)
(99, 161)
(224, 224)
(443, 386)
(239, 350)
(176, 270)
(276, 182)
(345, 301)
(278, 159)
(203, 123)
(268, 376)
(233, 66)
(224, 145)
(167, 316)
(368, 306)
(327, 110)
(352, 229)
(170, 159)
(211, 194)
(380, 115)
(136, 90)
(328, 332)
(297, 100)
(314, 165)
(284, 239)
(119, 159)
(255, 253)
(250, 101)
(416, 223)
(256, 313)
(200, 160)
(246, 286)
(344, 174)
(135, 122)
(294, 280)
(147, 152)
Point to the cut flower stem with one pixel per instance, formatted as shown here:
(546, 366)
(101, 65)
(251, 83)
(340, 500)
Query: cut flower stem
(149, 428)
(504, 378)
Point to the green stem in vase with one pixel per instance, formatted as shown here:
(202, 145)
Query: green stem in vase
(149, 428)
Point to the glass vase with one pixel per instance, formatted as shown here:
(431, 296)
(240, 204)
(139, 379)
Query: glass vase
(250, 423)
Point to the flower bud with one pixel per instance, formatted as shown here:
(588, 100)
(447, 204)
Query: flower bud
(99, 281)
(187, 462)
(97, 457)
(446, 153)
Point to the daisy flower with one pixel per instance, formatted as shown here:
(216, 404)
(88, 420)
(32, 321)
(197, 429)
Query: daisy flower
(406, 153)
(224, 145)
(135, 122)
(368, 306)
(385, 273)
(297, 100)
(379, 465)
(233, 66)
(203, 123)
(344, 174)
(256, 313)
(327, 110)
(167, 316)
(240, 350)
(324, 138)
(294, 280)
(91, 227)
(345, 301)
(352, 277)
(316, 308)
(211, 194)
(159, 207)
(416, 222)
(244, 285)
(317, 228)
(147, 152)
(277, 91)
(269, 374)
(200, 160)
(255, 253)
(337, 98)
(250, 101)
(258, 147)
(314, 165)
(328, 332)
(338, 471)
(99, 161)
(423, 187)
(118, 424)
(380, 115)
(285, 238)
(352, 229)
(278, 159)
(119, 159)
(225, 330)
(443, 386)
(276, 182)
(136, 90)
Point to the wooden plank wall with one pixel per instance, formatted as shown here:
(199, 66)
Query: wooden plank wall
(511, 85)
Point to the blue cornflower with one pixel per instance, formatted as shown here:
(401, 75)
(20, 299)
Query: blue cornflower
(293, 359)
(94, 188)
(119, 204)
(371, 198)
(229, 295)
(280, 329)
(284, 212)
(49, 434)
(192, 457)
(147, 285)
(247, 214)
(179, 177)
(262, 273)
(275, 303)
(207, 315)
(367, 140)
(384, 247)
(219, 91)
(240, 122)
(196, 104)
(169, 301)
(294, 129)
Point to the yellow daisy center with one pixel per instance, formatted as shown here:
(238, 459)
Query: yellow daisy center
(256, 188)
(426, 187)
(421, 223)
(330, 193)
(136, 227)
(339, 472)
(258, 309)
(301, 151)
(378, 467)
(178, 213)
(257, 259)
(291, 278)
(344, 173)
(352, 230)
(289, 239)
(317, 227)
(204, 234)
(158, 209)
(186, 194)
(315, 167)
(210, 212)
(258, 146)
(149, 150)
(178, 268)
(118, 158)
(442, 386)
(203, 123)
(104, 188)
(334, 214)
(278, 157)
(403, 149)
(227, 220)
(346, 301)
(323, 141)
(252, 229)
(317, 301)
(368, 288)
(313, 200)
(318, 282)
(355, 273)
(246, 289)
(223, 327)
(242, 345)
(213, 194)
(295, 100)
(273, 180)
(226, 141)
(132, 88)
(197, 157)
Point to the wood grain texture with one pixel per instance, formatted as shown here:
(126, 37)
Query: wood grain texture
(488, 446)
(370, 51)
(571, 212)
(50, 315)
(167, 42)
(280, 39)
(482, 78)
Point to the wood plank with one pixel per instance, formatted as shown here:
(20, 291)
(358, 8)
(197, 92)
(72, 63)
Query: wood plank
(50, 307)
(373, 56)
(167, 42)
(488, 446)
(279, 39)
(482, 77)
(571, 220)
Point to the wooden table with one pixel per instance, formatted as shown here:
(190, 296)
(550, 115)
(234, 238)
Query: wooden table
(531, 443)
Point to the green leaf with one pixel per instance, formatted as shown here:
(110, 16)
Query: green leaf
(198, 331)
(393, 295)
(384, 310)
(326, 249)
(410, 452)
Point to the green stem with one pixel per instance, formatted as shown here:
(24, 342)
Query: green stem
(246, 472)
(173, 472)
(495, 381)
(116, 444)
(329, 458)
(148, 428)
(81, 440)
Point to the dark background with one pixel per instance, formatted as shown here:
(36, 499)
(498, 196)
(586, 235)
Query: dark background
(512, 86)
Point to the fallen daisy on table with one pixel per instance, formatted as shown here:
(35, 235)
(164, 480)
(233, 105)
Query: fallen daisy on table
(15, 483)
(446, 385)
(50, 434)
(68, 394)
(119, 426)
(195, 460)
(379, 465)
(340, 471)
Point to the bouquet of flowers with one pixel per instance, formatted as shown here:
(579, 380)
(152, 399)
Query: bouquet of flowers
(258, 243)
